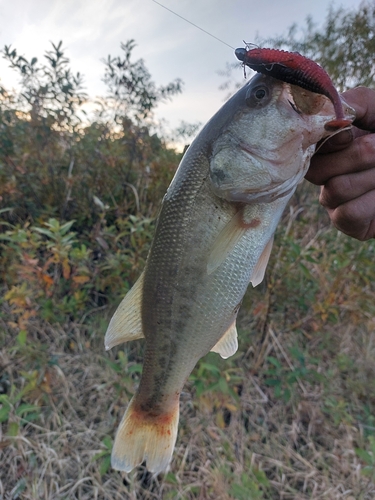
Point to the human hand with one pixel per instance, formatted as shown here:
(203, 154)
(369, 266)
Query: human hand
(345, 168)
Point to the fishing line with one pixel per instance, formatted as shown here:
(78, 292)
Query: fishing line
(195, 25)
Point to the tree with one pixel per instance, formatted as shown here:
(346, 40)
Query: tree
(344, 46)
(54, 163)
(50, 92)
(131, 89)
(39, 126)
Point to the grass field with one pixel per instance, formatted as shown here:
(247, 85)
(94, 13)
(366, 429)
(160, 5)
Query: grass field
(290, 416)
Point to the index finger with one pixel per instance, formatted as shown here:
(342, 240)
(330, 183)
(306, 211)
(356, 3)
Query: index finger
(343, 153)
(362, 99)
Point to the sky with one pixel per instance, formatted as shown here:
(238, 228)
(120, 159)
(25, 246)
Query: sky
(171, 48)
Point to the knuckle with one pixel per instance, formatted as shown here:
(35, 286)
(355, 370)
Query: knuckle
(336, 191)
(340, 185)
(353, 219)
(364, 150)
(347, 214)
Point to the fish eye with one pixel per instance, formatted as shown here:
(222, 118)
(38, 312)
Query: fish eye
(258, 96)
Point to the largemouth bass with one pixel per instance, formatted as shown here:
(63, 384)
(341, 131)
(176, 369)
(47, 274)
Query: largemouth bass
(213, 237)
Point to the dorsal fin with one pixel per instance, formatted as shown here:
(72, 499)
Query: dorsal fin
(126, 323)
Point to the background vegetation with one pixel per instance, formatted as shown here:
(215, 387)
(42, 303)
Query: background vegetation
(290, 416)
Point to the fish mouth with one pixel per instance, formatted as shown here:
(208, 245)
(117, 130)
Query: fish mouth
(306, 102)
(335, 124)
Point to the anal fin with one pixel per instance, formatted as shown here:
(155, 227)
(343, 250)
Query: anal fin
(126, 323)
(228, 344)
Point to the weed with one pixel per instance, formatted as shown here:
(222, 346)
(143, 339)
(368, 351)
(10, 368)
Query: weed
(104, 456)
(368, 458)
(290, 416)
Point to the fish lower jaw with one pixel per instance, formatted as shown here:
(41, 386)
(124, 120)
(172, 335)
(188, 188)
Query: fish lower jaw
(263, 196)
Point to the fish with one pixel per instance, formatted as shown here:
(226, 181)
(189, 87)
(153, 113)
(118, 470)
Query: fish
(213, 238)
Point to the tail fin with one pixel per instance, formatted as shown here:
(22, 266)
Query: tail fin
(142, 436)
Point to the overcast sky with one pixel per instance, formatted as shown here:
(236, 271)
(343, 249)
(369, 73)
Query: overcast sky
(171, 48)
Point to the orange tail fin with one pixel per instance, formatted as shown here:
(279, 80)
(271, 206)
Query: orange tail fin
(144, 437)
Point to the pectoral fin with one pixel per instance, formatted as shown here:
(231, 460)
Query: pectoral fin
(228, 344)
(260, 267)
(226, 241)
(126, 323)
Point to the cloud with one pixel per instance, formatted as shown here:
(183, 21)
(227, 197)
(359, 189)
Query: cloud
(171, 47)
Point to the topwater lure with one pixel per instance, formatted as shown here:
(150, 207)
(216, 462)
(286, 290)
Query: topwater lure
(292, 67)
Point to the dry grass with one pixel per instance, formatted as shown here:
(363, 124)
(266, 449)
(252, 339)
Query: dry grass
(298, 444)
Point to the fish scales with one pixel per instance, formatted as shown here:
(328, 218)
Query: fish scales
(186, 298)
(213, 237)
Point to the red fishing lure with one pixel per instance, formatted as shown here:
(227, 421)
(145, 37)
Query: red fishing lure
(292, 67)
